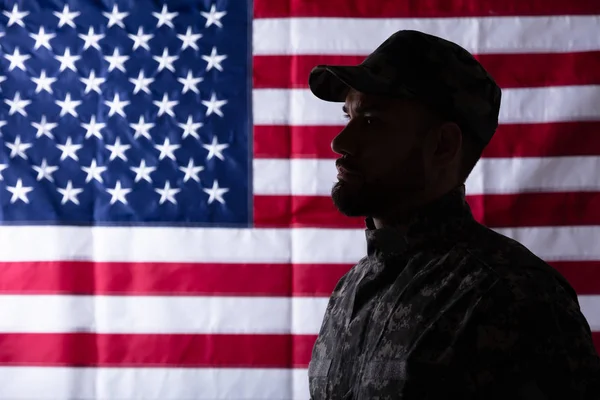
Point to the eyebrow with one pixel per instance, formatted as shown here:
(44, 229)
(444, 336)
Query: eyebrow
(362, 108)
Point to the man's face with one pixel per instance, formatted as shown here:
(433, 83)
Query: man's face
(383, 155)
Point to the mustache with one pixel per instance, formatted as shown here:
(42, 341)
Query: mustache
(347, 165)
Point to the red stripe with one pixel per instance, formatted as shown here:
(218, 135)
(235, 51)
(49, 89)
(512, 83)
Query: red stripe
(420, 9)
(315, 280)
(301, 212)
(511, 140)
(584, 276)
(168, 350)
(145, 350)
(556, 139)
(168, 279)
(537, 209)
(509, 70)
(495, 211)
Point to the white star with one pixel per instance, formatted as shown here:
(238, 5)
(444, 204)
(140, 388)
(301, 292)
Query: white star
(42, 39)
(191, 171)
(2, 123)
(116, 61)
(19, 192)
(66, 17)
(67, 61)
(91, 39)
(167, 149)
(15, 16)
(190, 128)
(115, 17)
(2, 79)
(168, 193)
(17, 60)
(44, 128)
(70, 193)
(142, 128)
(45, 171)
(165, 105)
(44, 82)
(68, 106)
(213, 105)
(165, 61)
(189, 39)
(189, 83)
(118, 193)
(214, 60)
(117, 106)
(141, 83)
(69, 150)
(213, 17)
(2, 168)
(143, 172)
(17, 148)
(165, 17)
(140, 39)
(93, 83)
(17, 105)
(215, 149)
(118, 150)
(216, 193)
(93, 172)
(93, 128)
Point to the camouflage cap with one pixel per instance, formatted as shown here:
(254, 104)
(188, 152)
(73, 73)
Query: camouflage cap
(412, 64)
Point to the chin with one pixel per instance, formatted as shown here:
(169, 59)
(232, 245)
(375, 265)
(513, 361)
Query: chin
(363, 199)
(351, 200)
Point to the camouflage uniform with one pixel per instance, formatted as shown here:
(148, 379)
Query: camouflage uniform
(445, 308)
(449, 309)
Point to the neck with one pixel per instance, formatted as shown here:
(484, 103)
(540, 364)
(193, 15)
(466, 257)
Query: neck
(400, 216)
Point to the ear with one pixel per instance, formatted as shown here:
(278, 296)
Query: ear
(447, 144)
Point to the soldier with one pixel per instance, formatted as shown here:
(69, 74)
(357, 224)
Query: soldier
(441, 307)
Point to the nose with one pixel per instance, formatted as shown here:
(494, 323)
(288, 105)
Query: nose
(344, 143)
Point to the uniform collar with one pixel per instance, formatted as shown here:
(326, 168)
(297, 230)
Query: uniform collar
(437, 220)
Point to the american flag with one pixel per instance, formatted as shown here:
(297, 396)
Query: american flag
(167, 231)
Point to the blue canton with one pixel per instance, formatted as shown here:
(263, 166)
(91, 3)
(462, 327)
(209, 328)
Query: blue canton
(125, 113)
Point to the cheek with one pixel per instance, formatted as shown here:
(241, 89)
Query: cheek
(405, 165)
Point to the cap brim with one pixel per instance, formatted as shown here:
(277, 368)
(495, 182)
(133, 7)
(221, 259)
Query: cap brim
(332, 82)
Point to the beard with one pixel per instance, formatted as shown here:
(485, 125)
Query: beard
(364, 200)
(379, 198)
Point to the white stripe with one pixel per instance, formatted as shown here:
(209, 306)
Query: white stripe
(159, 244)
(590, 308)
(299, 245)
(520, 105)
(535, 174)
(175, 314)
(157, 315)
(480, 35)
(35, 383)
(565, 243)
(315, 177)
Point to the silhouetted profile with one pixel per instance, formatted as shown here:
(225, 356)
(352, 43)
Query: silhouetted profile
(440, 307)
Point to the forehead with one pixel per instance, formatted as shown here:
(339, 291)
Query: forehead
(356, 101)
(359, 102)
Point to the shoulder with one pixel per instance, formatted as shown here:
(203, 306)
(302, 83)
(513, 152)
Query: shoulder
(525, 294)
(528, 324)
(529, 301)
(521, 275)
